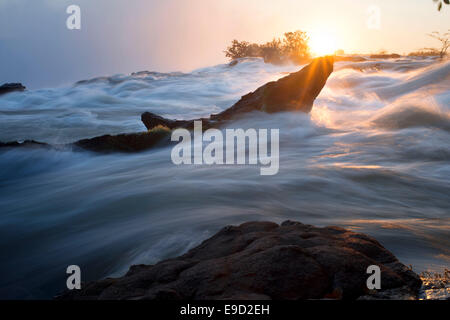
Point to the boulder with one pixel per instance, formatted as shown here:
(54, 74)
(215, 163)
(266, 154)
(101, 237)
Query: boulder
(349, 58)
(263, 260)
(295, 92)
(11, 87)
(132, 142)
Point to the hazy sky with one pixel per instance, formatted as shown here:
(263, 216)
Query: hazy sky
(123, 36)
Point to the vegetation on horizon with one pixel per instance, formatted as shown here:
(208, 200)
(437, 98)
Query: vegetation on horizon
(445, 41)
(293, 47)
(440, 2)
(425, 52)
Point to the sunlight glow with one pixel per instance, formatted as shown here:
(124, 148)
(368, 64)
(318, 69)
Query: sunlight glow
(322, 43)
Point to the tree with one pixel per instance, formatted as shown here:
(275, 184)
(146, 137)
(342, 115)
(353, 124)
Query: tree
(445, 41)
(237, 49)
(295, 45)
(425, 52)
(440, 2)
(272, 51)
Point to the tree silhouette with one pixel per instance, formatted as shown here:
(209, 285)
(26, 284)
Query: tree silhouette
(293, 47)
(444, 39)
(440, 2)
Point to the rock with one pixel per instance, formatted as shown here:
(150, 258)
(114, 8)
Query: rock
(263, 260)
(385, 56)
(26, 143)
(295, 92)
(11, 87)
(132, 142)
(152, 120)
(349, 58)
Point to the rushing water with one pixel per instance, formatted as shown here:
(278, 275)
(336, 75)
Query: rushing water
(373, 156)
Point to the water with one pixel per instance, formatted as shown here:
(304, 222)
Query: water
(373, 156)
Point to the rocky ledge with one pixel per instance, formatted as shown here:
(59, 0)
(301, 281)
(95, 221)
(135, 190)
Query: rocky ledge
(11, 87)
(294, 92)
(264, 260)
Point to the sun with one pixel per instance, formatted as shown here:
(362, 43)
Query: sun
(322, 43)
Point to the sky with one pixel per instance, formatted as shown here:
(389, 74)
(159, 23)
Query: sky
(124, 36)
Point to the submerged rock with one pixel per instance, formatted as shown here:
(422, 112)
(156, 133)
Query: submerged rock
(295, 92)
(233, 63)
(26, 143)
(11, 87)
(263, 260)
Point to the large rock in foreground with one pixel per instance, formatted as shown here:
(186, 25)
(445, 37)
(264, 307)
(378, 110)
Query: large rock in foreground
(263, 260)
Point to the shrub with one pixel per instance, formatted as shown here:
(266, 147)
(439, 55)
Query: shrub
(425, 52)
(294, 47)
(445, 41)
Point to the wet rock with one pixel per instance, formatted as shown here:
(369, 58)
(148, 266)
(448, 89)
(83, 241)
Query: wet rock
(435, 286)
(11, 87)
(264, 260)
(152, 120)
(24, 144)
(295, 92)
(349, 58)
(132, 142)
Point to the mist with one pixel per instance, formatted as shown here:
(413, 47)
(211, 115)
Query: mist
(37, 49)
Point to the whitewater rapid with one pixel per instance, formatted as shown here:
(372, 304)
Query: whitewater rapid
(372, 156)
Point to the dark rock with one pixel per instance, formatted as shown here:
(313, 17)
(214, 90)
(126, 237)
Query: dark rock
(385, 56)
(295, 92)
(152, 120)
(11, 87)
(132, 142)
(233, 63)
(26, 143)
(263, 260)
(349, 58)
